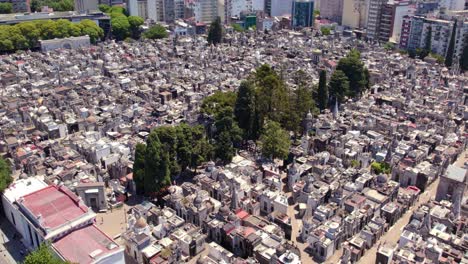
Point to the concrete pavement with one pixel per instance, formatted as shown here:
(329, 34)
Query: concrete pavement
(10, 247)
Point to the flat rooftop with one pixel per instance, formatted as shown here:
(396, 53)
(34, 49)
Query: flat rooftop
(456, 173)
(23, 187)
(55, 205)
(85, 245)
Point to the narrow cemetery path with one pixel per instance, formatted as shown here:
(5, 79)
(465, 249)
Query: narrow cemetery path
(393, 235)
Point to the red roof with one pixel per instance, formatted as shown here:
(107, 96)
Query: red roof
(242, 214)
(85, 245)
(55, 205)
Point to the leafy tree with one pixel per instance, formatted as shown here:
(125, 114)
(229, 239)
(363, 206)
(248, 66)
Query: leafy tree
(201, 149)
(215, 33)
(42, 255)
(104, 8)
(6, 8)
(322, 94)
(139, 168)
(274, 141)
(88, 27)
(451, 47)
(135, 23)
(57, 5)
(440, 59)
(157, 174)
(30, 32)
(215, 103)
(228, 135)
(245, 109)
(338, 86)
(5, 42)
(381, 167)
(237, 27)
(389, 46)
(168, 137)
(325, 31)
(156, 32)
(354, 163)
(354, 69)
(272, 98)
(301, 102)
(120, 27)
(5, 175)
(316, 13)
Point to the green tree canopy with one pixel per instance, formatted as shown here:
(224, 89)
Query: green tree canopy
(5, 175)
(274, 141)
(301, 102)
(120, 27)
(227, 136)
(237, 27)
(322, 93)
(215, 103)
(215, 33)
(325, 31)
(139, 168)
(57, 5)
(42, 255)
(6, 8)
(245, 108)
(135, 23)
(338, 86)
(157, 174)
(156, 32)
(381, 167)
(104, 8)
(354, 69)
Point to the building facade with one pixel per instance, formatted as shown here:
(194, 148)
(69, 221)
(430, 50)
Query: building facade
(55, 214)
(280, 7)
(302, 13)
(234, 8)
(355, 13)
(330, 9)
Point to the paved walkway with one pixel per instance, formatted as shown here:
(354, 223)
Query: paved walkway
(10, 248)
(393, 235)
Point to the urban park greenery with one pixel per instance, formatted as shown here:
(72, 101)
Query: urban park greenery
(26, 35)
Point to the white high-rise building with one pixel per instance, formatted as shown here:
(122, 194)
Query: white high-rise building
(156, 10)
(205, 10)
(258, 5)
(355, 13)
(138, 8)
(281, 7)
(233, 8)
(452, 4)
(330, 9)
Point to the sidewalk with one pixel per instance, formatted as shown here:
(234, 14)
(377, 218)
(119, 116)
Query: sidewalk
(10, 248)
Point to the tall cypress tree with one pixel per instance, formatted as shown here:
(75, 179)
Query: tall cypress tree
(215, 34)
(139, 168)
(322, 93)
(244, 110)
(157, 173)
(451, 47)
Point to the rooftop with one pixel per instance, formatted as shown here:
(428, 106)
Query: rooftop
(23, 187)
(54, 205)
(456, 173)
(93, 245)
